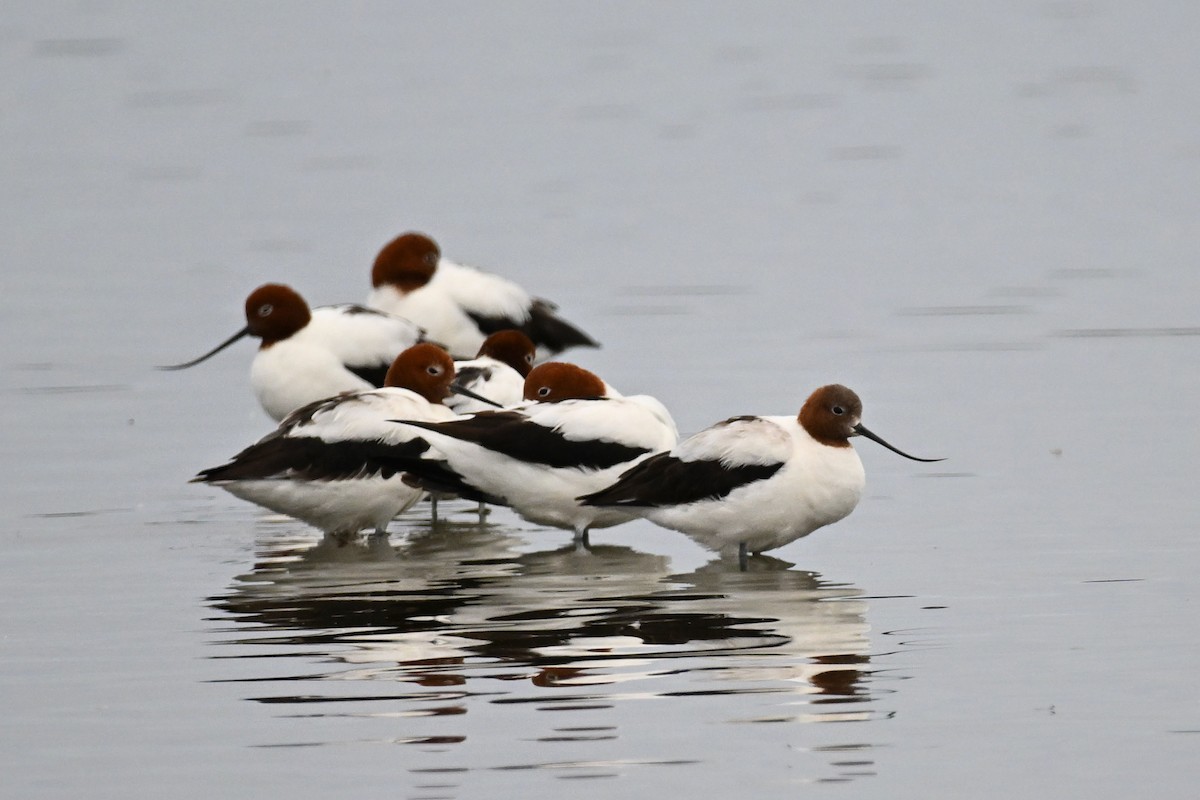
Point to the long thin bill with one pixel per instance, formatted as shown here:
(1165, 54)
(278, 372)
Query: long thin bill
(861, 431)
(473, 395)
(210, 353)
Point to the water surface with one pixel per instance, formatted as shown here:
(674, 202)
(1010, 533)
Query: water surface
(981, 219)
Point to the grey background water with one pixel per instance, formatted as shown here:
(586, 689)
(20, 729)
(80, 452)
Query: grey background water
(981, 218)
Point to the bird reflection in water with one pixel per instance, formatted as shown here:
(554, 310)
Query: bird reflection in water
(464, 616)
(416, 612)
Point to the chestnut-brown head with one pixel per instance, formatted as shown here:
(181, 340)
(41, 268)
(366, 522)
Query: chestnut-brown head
(833, 413)
(274, 312)
(407, 262)
(511, 347)
(425, 369)
(557, 380)
(830, 414)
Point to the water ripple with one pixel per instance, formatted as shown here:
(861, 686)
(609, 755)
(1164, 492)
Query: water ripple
(456, 628)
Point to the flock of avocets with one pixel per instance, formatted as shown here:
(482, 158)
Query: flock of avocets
(375, 412)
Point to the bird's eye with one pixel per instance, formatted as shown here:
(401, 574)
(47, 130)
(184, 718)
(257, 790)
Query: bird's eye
(265, 310)
(434, 369)
(431, 259)
(838, 411)
(529, 358)
(544, 391)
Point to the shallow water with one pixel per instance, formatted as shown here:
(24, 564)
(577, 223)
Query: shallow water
(983, 220)
(458, 631)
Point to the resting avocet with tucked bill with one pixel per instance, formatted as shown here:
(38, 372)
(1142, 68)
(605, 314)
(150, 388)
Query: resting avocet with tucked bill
(497, 372)
(756, 483)
(309, 355)
(319, 465)
(538, 457)
(459, 305)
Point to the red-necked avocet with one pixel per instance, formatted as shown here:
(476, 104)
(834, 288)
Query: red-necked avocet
(458, 306)
(751, 482)
(321, 464)
(310, 354)
(576, 438)
(497, 372)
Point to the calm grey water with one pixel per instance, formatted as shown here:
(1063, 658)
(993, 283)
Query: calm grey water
(982, 219)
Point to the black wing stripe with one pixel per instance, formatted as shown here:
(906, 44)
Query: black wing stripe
(490, 325)
(544, 327)
(664, 480)
(312, 459)
(436, 476)
(512, 435)
(552, 331)
(353, 309)
(373, 374)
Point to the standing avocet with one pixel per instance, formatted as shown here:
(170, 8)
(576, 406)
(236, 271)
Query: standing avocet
(459, 305)
(756, 483)
(538, 457)
(321, 464)
(497, 372)
(309, 355)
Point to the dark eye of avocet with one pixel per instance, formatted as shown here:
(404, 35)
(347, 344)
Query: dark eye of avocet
(265, 310)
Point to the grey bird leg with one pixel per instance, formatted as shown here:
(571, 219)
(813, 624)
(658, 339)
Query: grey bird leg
(582, 539)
